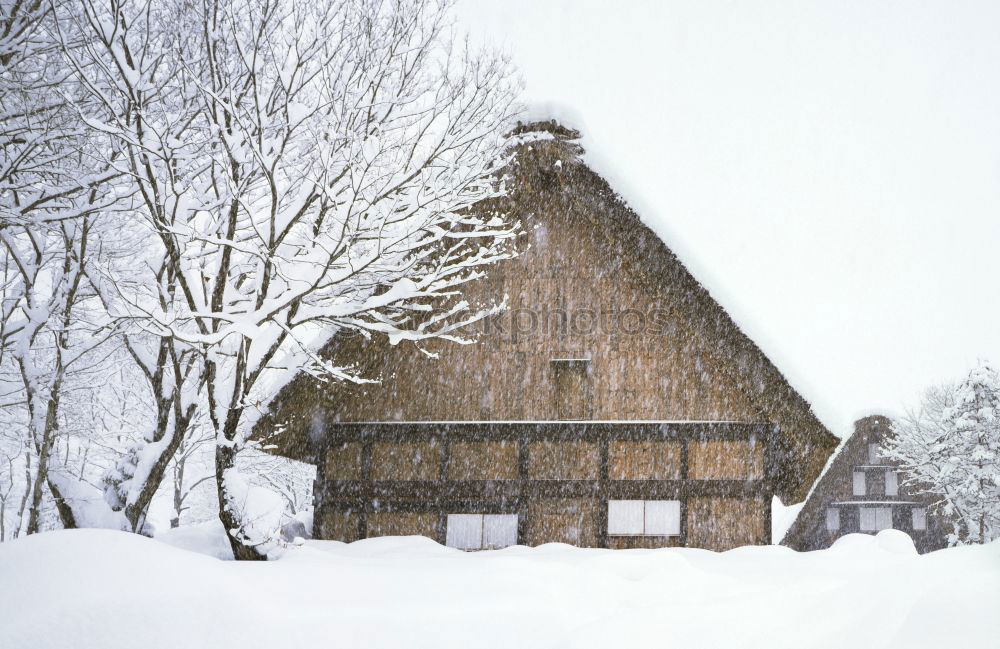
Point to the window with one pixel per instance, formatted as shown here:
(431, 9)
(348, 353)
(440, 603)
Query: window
(891, 483)
(626, 517)
(572, 390)
(883, 518)
(481, 532)
(867, 519)
(663, 517)
(644, 517)
(465, 531)
(832, 519)
(859, 483)
(919, 518)
(874, 519)
(499, 530)
(873, 454)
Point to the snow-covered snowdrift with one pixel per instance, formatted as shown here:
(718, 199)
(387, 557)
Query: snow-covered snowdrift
(91, 588)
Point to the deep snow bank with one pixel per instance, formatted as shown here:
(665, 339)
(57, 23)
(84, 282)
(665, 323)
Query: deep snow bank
(206, 538)
(92, 588)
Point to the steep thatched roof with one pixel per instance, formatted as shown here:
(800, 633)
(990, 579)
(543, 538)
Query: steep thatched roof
(585, 249)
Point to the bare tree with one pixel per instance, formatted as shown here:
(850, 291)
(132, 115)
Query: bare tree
(55, 186)
(169, 372)
(57, 173)
(305, 167)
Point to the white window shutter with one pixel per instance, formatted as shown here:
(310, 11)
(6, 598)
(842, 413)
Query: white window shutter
(891, 483)
(499, 530)
(832, 519)
(625, 517)
(883, 518)
(663, 518)
(465, 531)
(873, 454)
(859, 483)
(919, 518)
(867, 519)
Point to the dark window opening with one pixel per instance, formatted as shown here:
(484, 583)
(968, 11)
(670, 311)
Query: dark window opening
(572, 389)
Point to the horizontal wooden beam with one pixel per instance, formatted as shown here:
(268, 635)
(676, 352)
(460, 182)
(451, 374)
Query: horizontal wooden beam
(336, 433)
(432, 494)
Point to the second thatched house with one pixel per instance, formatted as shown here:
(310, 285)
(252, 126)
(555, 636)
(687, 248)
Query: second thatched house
(614, 404)
(863, 492)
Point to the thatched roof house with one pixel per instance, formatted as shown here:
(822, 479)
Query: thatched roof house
(863, 492)
(608, 334)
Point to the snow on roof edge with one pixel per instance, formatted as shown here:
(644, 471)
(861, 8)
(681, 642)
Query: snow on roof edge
(543, 111)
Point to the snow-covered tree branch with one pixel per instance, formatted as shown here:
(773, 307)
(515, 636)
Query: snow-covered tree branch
(950, 447)
(300, 168)
(52, 191)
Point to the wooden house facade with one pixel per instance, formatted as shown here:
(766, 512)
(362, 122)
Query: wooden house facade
(613, 404)
(863, 492)
(594, 484)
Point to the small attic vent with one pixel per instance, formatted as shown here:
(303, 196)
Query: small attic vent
(572, 392)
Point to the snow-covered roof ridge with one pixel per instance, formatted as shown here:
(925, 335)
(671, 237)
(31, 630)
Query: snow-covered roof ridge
(527, 132)
(568, 116)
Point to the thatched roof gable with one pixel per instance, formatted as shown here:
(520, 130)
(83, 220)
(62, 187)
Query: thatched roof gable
(657, 346)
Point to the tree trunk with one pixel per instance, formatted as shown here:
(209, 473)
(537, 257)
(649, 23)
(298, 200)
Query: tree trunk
(225, 459)
(24, 498)
(44, 449)
(49, 430)
(65, 510)
(135, 511)
(178, 495)
(34, 508)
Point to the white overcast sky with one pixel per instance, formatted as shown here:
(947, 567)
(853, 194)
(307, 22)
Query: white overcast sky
(830, 170)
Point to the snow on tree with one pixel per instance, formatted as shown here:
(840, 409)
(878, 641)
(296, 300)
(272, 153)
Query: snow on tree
(190, 468)
(169, 370)
(300, 168)
(50, 200)
(950, 447)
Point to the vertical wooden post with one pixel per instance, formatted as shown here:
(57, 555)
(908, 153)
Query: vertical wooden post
(522, 436)
(685, 440)
(602, 495)
(366, 481)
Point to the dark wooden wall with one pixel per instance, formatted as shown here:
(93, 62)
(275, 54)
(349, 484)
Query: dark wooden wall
(381, 479)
